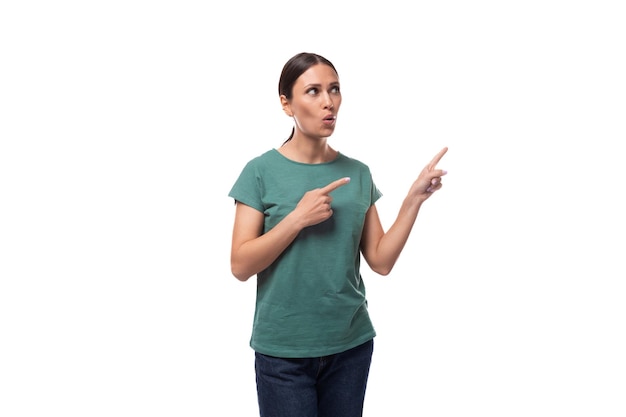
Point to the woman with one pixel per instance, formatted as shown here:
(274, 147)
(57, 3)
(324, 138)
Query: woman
(305, 214)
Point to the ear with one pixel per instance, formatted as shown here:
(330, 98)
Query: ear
(286, 106)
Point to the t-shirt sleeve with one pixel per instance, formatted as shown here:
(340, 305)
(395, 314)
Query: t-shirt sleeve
(375, 192)
(247, 187)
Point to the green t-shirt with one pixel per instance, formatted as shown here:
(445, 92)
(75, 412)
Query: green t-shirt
(311, 301)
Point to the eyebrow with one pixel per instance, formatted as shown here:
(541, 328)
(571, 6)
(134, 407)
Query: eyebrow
(335, 83)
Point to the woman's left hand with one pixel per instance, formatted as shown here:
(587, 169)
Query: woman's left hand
(429, 180)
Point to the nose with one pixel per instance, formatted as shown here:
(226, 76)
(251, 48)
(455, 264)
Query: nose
(328, 102)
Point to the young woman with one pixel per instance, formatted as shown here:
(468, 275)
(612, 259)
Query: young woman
(305, 214)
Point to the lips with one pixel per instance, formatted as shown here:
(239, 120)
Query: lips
(329, 121)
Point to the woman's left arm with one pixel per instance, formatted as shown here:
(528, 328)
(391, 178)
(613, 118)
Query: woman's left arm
(381, 249)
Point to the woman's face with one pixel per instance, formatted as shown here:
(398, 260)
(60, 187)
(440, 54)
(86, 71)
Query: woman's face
(315, 101)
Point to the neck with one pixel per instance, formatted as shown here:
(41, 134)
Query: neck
(308, 151)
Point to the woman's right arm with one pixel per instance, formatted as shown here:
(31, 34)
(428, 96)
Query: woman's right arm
(252, 250)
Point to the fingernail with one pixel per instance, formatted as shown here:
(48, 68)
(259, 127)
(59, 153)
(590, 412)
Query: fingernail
(444, 172)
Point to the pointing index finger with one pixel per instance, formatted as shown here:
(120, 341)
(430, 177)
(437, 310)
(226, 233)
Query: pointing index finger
(335, 184)
(437, 158)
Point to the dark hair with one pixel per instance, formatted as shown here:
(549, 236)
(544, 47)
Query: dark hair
(293, 69)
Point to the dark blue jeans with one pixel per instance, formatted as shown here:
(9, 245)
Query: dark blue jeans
(329, 386)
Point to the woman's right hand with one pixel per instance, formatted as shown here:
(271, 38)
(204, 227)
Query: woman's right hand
(315, 206)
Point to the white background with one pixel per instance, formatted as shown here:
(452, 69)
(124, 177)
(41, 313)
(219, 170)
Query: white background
(125, 123)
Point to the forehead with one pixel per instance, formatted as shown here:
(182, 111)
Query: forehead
(318, 74)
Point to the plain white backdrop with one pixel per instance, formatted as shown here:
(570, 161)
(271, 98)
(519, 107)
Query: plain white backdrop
(124, 124)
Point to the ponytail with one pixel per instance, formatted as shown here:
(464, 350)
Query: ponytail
(293, 130)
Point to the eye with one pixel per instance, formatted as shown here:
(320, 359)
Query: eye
(335, 90)
(312, 91)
